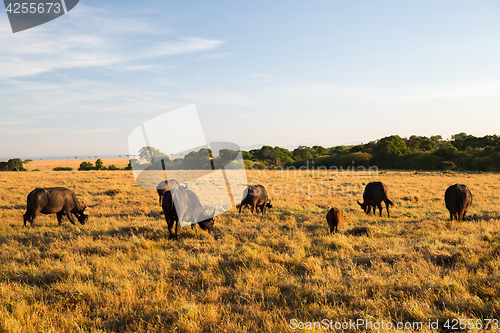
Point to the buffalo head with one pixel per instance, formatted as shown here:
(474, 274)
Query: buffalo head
(364, 207)
(208, 221)
(81, 216)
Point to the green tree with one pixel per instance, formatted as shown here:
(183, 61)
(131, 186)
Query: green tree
(303, 153)
(320, 151)
(129, 165)
(459, 135)
(339, 149)
(152, 154)
(86, 166)
(426, 144)
(390, 151)
(15, 164)
(227, 154)
(436, 138)
(197, 160)
(356, 149)
(247, 155)
(27, 163)
(99, 165)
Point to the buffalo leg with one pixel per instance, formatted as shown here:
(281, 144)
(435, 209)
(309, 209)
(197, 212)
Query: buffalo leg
(33, 217)
(178, 225)
(170, 223)
(177, 229)
(387, 207)
(379, 209)
(27, 217)
(70, 216)
(252, 207)
(59, 217)
(241, 207)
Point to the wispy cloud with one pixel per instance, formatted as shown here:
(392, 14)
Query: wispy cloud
(93, 39)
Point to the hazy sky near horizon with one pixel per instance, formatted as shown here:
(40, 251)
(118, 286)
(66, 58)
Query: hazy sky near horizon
(279, 72)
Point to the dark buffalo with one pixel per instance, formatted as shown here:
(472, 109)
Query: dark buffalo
(334, 218)
(255, 196)
(458, 200)
(58, 200)
(374, 194)
(189, 209)
(163, 187)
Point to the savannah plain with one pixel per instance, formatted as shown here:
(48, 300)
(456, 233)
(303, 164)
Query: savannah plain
(121, 273)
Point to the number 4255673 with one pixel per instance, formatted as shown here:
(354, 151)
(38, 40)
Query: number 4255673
(33, 8)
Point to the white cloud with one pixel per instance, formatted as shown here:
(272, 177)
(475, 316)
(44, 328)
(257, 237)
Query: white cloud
(91, 38)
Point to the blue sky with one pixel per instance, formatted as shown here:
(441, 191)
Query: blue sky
(278, 73)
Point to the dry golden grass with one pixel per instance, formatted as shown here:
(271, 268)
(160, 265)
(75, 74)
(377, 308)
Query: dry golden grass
(120, 273)
(48, 165)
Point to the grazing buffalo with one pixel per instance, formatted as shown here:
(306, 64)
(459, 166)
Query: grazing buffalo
(374, 194)
(189, 209)
(163, 187)
(255, 196)
(335, 218)
(52, 200)
(458, 200)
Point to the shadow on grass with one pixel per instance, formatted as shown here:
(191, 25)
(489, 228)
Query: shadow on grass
(8, 207)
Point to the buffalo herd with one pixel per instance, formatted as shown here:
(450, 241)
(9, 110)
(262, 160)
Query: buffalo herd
(62, 201)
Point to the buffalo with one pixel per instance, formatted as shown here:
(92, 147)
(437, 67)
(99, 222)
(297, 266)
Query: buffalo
(58, 200)
(374, 194)
(458, 199)
(163, 187)
(255, 196)
(189, 209)
(334, 218)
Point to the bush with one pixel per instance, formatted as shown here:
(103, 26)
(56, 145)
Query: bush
(62, 169)
(447, 165)
(484, 164)
(253, 165)
(86, 166)
(113, 167)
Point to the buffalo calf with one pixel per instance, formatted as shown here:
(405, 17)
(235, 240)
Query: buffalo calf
(335, 218)
(458, 199)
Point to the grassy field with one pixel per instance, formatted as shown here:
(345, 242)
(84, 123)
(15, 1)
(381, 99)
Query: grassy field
(48, 165)
(120, 273)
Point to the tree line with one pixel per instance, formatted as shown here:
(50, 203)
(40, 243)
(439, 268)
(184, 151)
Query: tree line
(462, 153)
(202, 159)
